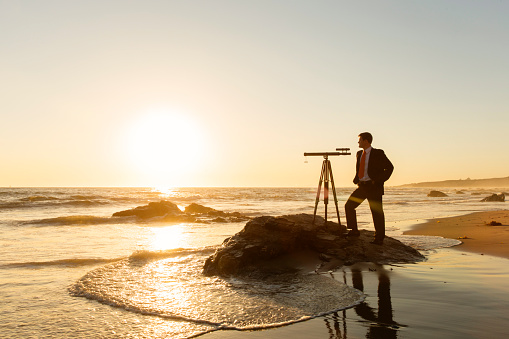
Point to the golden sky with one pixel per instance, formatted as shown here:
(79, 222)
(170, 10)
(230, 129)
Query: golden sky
(232, 93)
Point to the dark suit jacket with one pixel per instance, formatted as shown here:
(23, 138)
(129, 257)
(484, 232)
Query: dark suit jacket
(379, 169)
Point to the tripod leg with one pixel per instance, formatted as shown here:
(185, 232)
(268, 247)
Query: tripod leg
(334, 192)
(318, 192)
(326, 164)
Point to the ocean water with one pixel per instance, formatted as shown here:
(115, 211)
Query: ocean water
(68, 269)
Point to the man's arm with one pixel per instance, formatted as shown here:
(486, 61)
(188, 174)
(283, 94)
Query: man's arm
(388, 168)
(384, 167)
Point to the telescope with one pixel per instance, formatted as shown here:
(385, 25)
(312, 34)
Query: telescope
(340, 151)
(326, 177)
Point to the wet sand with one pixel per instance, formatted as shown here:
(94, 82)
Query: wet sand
(474, 230)
(453, 294)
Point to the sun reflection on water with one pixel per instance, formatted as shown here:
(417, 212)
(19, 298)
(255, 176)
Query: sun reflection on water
(169, 237)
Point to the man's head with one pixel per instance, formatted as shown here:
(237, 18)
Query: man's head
(365, 140)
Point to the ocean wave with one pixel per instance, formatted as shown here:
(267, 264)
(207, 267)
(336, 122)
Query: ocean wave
(427, 242)
(38, 198)
(143, 255)
(74, 262)
(76, 220)
(154, 255)
(174, 287)
(183, 197)
(13, 205)
(87, 197)
(84, 203)
(46, 202)
(30, 198)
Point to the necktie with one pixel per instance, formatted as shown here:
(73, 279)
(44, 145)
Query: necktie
(362, 164)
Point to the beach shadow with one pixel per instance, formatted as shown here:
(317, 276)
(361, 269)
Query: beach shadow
(380, 318)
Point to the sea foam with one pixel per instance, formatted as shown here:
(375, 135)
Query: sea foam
(174, 287)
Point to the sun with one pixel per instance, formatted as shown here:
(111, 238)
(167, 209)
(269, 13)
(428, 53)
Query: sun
(165, 146)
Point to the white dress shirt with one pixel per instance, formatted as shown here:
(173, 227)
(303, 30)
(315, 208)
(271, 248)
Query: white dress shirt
(366, 177)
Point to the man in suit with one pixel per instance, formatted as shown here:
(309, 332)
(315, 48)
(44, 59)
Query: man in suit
(373, 168)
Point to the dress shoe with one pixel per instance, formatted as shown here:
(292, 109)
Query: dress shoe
(353, 233)
(377, 242)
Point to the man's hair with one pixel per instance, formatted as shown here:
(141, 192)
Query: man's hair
(366, 136)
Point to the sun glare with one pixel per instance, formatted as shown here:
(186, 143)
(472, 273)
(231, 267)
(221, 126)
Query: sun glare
(169, 237)
(165, 146)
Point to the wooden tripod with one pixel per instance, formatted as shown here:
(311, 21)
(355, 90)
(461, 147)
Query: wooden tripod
(326, 177)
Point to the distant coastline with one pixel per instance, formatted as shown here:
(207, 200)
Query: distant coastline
(493, 182)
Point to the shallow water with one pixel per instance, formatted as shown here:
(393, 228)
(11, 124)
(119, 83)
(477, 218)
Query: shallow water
(174, 288)
(451, 295)
(68, 269)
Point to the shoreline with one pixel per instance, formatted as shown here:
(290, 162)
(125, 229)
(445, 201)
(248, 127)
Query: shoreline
(442, 297)
(393, 291)
(473, 229)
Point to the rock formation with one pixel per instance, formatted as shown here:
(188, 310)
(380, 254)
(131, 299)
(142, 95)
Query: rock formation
(168, 211)
(437, 194)
(153, 209)
(270, 245)
(199, 209)
(495, 197)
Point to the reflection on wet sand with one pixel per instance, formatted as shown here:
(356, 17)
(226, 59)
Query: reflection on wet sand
(382, 324)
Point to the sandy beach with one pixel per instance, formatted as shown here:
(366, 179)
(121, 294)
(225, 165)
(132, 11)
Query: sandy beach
(480, 232)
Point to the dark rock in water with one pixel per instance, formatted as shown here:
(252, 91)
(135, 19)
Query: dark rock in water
(495, 197)
(437, 194)
(276, 244)
(168, 211)
(195, 208)
(219, 216)
(153, 209)
(495, 223)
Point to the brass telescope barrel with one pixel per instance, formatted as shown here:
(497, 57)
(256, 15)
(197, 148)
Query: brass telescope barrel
(326, 154)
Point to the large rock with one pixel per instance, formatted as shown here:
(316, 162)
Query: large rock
(495, 197)
(168, 211)
(293, 242)
(436, 194)
(153, 209)
(219, 215)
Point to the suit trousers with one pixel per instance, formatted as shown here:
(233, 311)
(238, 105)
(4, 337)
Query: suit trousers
(374, 196)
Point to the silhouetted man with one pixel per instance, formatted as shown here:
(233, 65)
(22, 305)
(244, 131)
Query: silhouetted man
(373, 168)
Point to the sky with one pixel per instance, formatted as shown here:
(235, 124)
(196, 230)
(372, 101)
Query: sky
(232, 93)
